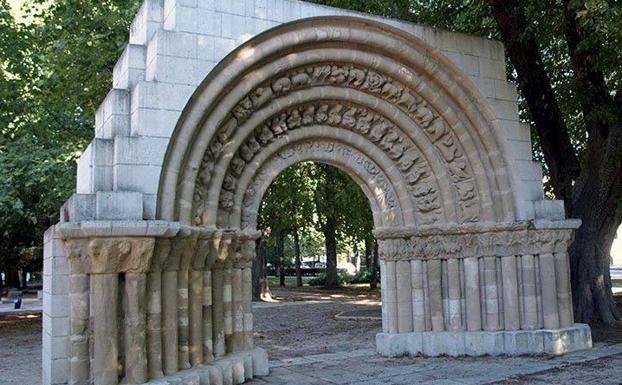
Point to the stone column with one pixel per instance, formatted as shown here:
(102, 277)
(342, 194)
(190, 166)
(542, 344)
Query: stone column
(549, 291)
(228, 306)
(105, 289)
(247, 292)
(154, 324)
(208, 346)
(238, 309)
(511, 312)
(435, 293)
(182, 319)
(170, 352)
(472, 294)
(196, 317)
(454, 290)
(390, 291)
(416, 273)
(564, 294)
(491, 294)
(218, 311)
(404, 296)
(530, 301)
(135, 339)
(79, 364)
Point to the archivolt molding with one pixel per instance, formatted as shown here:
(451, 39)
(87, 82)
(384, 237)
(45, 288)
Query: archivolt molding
(380, 130)
(388, 207)
(446, 90)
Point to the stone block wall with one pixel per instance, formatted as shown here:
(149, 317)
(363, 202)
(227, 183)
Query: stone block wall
(55, 352)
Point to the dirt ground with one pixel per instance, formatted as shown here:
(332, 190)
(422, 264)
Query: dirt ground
(303, 328)
(301, 322)
(20, 349)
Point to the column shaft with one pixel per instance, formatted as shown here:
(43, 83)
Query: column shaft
(182, 319)
(135, 339)
(238, 310)
(404, 297)
(195, 300)
(247, 289)
(416, 273)
(530, 301)
(391, 297)
(169, 322)
(228, 309)
(549, 291)
(208, 348)
(453, 284)
(79, 365)
(564, 294)
(435, 292)
(105, 289)
(491, 294)
(218, 312)
(472, 294)
(511, 313)
(154, 324)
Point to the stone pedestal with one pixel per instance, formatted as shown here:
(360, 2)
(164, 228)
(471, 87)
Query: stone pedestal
(466, 343)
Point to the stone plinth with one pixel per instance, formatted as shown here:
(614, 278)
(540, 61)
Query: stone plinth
(512, 343)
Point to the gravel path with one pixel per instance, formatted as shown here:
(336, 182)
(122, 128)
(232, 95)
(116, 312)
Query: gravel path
(20, 349)
(304, 329)
(309, 321)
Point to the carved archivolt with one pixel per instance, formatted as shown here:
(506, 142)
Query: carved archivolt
(377, 185)
(377, 128)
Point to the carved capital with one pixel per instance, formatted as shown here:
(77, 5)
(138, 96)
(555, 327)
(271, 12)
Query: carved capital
(515, 239)
(110, 254)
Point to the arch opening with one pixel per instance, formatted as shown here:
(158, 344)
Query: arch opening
(316, 253)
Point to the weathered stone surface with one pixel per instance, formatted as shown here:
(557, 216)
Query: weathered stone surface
(514, 343)
(473, 260)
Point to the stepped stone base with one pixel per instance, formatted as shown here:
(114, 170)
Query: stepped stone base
(513, 343)
(234, 368)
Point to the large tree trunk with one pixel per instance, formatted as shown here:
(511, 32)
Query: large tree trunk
(330, 227)
(261, 290)
(297, 250)
(280, 249)
(368, 250)
(375, 266)
(591, 190)
(597, 203)
(12, 278)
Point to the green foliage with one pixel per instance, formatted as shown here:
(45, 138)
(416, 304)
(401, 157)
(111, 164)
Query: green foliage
(293, 201)
(343, 278)
(55, 68)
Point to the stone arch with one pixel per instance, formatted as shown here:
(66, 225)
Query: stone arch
(461, 274)
(402, 70)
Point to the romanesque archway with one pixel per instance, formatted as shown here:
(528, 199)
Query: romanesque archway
(460, 273)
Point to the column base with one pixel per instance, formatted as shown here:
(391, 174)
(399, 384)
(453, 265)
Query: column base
(512, 343)
(234, 368)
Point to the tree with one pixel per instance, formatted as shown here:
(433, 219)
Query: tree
(565, 57)
(55, 68)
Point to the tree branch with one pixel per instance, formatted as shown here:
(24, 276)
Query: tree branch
(534, 83)
(590, 81)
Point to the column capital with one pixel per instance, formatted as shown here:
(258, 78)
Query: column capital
(472, 241)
